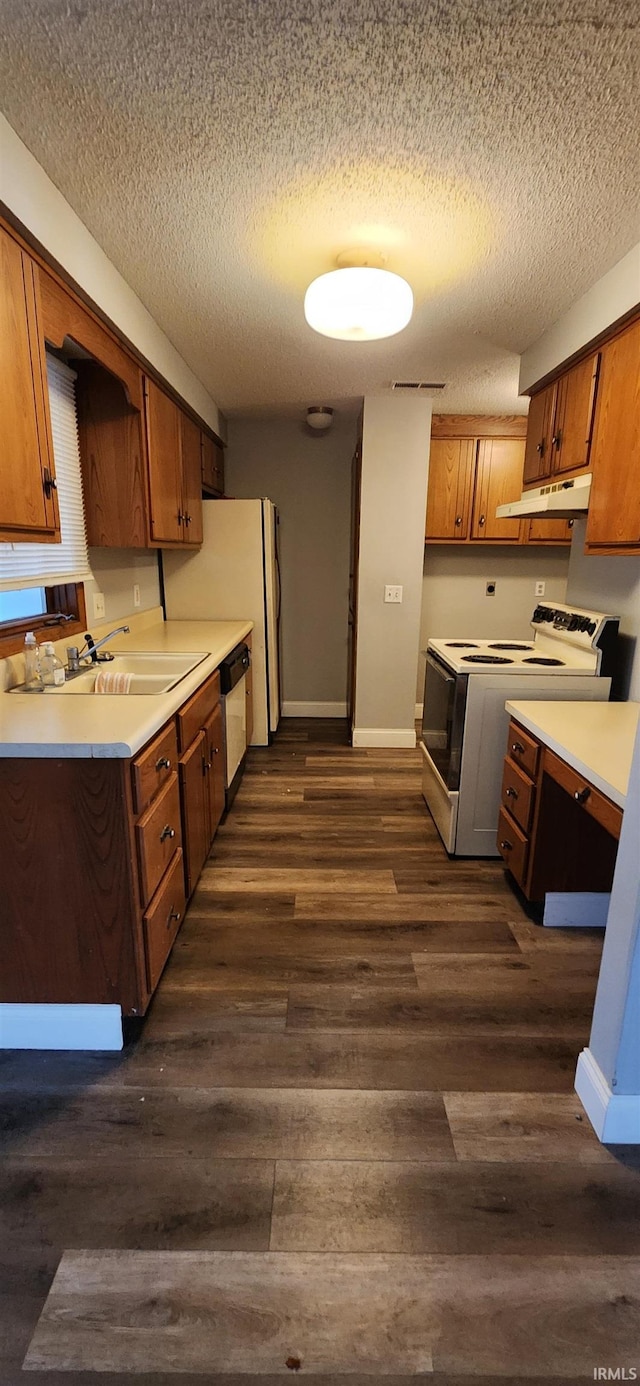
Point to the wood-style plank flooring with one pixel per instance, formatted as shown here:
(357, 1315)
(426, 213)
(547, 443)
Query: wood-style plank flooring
(346, 1135)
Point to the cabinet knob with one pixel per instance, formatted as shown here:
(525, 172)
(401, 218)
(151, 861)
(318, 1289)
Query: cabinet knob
(458, 519)
(167, 831)
(180, 517)
(482, 520)
(163, 763)
(518, 748)
(581, 795)
(49, 482)
(540, 448)
(173, 914)
(557, 439)
(187, 519)
(512, 793)
(570, 523)
(506, 846)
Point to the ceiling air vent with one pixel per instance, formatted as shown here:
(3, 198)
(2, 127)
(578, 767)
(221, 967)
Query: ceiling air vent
(418, 384)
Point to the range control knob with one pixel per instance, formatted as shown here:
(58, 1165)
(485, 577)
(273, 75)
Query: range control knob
(591, 627)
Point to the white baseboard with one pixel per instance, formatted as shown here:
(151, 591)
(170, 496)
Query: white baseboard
(314, 709)
(575, 910)
(60, 1027)
(385, 736)
(615, 1117)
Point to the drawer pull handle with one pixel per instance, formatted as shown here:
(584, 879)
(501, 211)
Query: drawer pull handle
(163, 763)
(518, 748)
(512, 793)
(506, 846)
(173, 914)
(581, 795)
(167, 831)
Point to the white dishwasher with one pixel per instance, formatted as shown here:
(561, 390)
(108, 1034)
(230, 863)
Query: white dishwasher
(233, 673)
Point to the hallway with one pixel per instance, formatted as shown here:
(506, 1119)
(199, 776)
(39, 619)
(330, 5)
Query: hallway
(345, 1141)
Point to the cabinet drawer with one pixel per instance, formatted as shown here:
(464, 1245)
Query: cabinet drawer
(518, 794)
(158, 834)
(523, 749)
(163, 919)
(513, 846)
(194, 713)
(152, 768)
(607, 814)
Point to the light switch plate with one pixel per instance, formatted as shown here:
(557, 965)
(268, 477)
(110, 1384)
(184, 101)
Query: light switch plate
(98, 606)
(393, 594)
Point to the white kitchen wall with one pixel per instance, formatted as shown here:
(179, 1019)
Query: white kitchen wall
(454, 600)
(610, 584)
(29, 193)
(309, 479)
(115, 571)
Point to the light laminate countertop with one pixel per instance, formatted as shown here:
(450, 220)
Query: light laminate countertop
(595, 739)
(110, 725)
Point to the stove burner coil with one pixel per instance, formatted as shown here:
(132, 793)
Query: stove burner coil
(489, 659)
(502, 645)
(538, 659)
(462, 645)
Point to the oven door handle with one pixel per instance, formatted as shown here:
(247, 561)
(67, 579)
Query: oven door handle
(441, 669)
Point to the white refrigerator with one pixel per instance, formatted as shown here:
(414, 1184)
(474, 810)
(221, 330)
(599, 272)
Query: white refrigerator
(235, 576)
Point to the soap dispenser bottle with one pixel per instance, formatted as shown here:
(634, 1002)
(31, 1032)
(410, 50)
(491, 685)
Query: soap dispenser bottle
(51, 668)
(32, 677)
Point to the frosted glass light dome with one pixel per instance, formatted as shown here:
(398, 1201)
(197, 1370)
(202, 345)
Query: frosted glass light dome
(358, 304)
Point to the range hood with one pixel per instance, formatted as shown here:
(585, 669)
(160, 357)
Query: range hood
(559, 500)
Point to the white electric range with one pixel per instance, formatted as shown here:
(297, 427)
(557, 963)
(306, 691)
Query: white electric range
(464, 724)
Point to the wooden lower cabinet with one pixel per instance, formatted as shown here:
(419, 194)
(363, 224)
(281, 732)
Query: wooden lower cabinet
(556, 832)
(99, 858)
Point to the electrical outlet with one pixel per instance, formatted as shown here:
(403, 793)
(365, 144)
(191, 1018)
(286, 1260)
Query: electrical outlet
(136, 594)
(540, 589)
(98, 606)
(393, 594)
(490, 589)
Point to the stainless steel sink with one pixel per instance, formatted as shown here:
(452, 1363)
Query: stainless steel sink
(151, 672)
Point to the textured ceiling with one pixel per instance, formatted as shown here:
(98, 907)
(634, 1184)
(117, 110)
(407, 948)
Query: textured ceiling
(223, 152)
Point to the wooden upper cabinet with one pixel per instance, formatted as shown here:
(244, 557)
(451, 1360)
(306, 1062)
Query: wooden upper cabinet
(112, 457)
(451, 463)
(64, 316)
(164, 453)
(560, 424)
(548, 531)
(212, 465)
(499, 480)
(191, 479)
(573, 417)
(28, 501)
(537, 455)
(614, 507)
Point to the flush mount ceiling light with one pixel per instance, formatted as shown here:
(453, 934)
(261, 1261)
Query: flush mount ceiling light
(319, 417)
(360, 301)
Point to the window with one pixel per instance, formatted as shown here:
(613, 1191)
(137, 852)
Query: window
(32, 565)
(40, 584)
(26, 601)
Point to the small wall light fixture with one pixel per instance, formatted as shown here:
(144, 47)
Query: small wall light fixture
(319, 417)
(360, 301)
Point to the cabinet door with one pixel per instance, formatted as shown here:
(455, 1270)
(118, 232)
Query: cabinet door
(448, 497)
(498, 480)
(112, 456)
(549, 531)
(614, 505)
(573, 417)
(195, 810)
(212, 465)
(28, 503)
(214, 741)
(165, 465)
(191, 480)
(537, 453)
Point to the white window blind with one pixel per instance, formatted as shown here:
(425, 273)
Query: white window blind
(35, 565)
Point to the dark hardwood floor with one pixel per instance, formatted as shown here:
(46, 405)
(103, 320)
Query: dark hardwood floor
(346, 1135)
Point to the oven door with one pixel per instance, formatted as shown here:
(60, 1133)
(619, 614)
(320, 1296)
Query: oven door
(445, 697)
